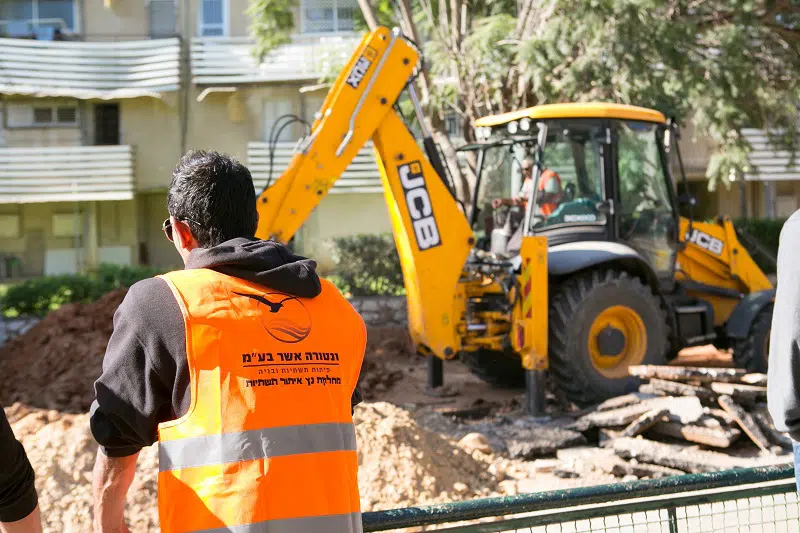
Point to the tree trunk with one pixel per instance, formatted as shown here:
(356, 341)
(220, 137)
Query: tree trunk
(369, 14)
(434, 121)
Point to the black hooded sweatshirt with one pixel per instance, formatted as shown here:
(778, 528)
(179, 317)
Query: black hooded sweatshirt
(145, 379)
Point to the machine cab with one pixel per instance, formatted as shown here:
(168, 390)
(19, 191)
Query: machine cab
(576, 173)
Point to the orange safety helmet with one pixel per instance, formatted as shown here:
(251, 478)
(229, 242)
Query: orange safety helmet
(550, 192)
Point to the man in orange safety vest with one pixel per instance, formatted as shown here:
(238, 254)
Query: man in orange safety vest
(242, 366)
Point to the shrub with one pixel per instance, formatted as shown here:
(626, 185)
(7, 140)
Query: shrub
(367, 265)
(766, 231)
(39, 296)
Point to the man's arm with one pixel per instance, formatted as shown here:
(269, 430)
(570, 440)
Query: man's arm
(134, 392)
(783, 392)
(19, 510)
(30, 524)
(112, 477)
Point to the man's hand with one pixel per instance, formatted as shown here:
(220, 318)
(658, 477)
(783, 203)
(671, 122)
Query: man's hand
(112, 479)
(513, 202)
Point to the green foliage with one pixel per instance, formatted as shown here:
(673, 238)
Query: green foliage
(272, 24)
(725, 65)
(367, 265)
(39, 296)
(767, 233)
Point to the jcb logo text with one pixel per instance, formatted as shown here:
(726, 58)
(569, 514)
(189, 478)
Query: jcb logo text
(705, 241)
(361, 67)
(419, 205)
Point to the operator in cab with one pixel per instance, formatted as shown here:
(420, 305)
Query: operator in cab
(507, 239)
(549, 190)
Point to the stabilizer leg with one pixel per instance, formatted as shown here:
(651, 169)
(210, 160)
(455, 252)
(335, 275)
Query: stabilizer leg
(535, 392)
(435, 372)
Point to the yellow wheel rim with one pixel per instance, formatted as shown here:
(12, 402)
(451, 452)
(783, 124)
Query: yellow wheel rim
(617, 340)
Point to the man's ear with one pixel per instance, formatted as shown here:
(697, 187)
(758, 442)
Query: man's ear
(187, 240)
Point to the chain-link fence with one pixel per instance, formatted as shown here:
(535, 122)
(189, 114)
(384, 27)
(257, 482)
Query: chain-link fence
(760, 499)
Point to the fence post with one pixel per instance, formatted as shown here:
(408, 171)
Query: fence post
(673, 520)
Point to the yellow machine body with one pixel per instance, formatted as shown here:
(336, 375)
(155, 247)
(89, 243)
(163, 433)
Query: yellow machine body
(464, 300)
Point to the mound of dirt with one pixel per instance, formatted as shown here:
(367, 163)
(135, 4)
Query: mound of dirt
(55, 363)
(402, 464)
(62, 451)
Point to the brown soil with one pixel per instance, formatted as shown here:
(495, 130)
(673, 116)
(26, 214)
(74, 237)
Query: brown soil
(402, 464)
(54, 365)
(62, 451)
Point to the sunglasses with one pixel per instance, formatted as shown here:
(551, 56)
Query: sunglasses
(166, 226)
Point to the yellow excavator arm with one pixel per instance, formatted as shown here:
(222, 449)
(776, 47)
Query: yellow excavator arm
(431, 233)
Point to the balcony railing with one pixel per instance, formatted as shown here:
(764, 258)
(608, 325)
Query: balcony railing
(362, 176)
(89, 69)
(230, 60)
(770, 164)
(66, 174)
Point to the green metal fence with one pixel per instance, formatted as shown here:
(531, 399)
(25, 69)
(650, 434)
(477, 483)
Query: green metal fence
(760, 499)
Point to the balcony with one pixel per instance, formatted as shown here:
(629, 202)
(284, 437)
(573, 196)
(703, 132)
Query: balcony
(362, 176)
(66, 174)
(770, 164)
(86, 70)
(230, 60)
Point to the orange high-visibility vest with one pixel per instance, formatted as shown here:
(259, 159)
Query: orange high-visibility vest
(268, 443)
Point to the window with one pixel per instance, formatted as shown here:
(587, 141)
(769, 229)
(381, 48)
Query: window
(162, 17)
(572, 177)
(328, 16)
(42, 19)
(10, 226)
(213, 18)
(41, 114)
(51, 116)
(67, 224)
(646, 219)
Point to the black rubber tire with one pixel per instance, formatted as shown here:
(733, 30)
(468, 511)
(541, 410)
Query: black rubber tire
(752, 353)
(500, 369)
(573, 309)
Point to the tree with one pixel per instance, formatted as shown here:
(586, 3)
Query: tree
(723, 64)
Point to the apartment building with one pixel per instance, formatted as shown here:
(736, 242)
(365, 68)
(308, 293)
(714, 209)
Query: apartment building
(770, 189)
(101, 97)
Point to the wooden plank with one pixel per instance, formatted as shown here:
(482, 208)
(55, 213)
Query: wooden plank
(623, 401)
(745, 421)
(686, 458)
(721, 415)
(687, 409)
(717, 437)
(759, 380)
(616, 466)
(764, 421)
(645, 422)
(674, 388)
(747, 394)
(682, 373)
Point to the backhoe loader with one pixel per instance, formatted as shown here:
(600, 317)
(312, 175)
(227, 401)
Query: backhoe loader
(610, 276)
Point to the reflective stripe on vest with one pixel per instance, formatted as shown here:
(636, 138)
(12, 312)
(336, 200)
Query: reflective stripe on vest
(255, 444)
(268, 444)
(342, 522)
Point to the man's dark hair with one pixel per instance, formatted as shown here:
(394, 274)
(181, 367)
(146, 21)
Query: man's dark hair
(214, 195)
